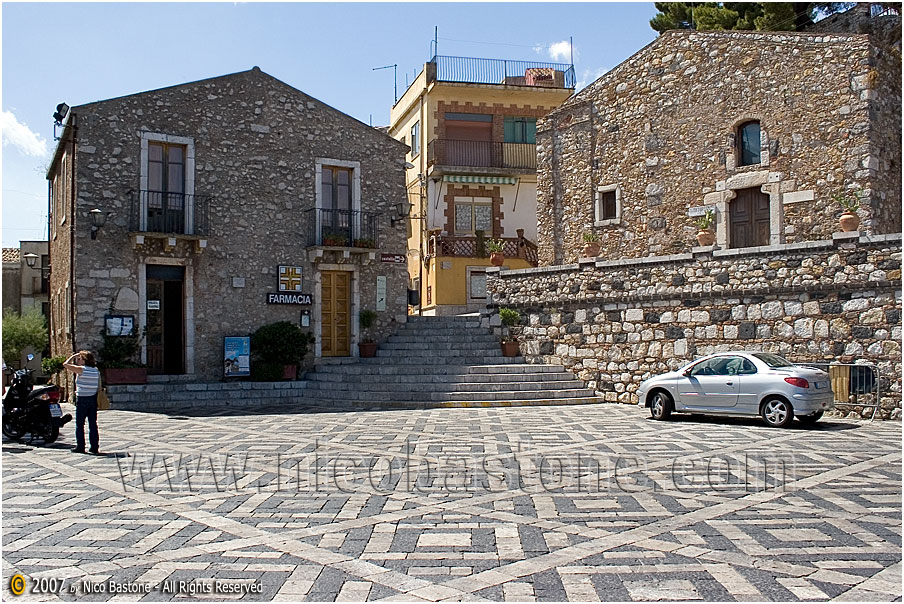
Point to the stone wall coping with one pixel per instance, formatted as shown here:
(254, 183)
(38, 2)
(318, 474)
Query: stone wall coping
(854, 237)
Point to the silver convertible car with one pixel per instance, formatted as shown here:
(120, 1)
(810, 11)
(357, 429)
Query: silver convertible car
(741, 384)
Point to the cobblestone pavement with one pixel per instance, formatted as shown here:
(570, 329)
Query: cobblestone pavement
(539, 503)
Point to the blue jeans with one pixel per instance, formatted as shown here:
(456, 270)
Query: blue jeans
(86, 408)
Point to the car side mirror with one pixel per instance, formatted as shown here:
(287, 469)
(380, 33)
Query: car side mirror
(687, 373)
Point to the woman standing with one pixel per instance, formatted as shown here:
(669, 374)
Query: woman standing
(87, 383)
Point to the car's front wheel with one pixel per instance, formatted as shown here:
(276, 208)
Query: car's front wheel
(661, 405)
(777, 412)
(810, 419)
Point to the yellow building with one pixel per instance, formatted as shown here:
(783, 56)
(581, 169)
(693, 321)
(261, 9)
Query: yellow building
(471, 125)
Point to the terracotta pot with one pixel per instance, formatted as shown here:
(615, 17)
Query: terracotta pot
(849, 222)
(592, 249)
(367, 350)
(290, 372)
(706, 237)
(497, 258)
(130, 375)
(510, 349)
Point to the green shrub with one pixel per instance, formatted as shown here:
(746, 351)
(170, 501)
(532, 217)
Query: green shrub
(28, 330)
(52, 365)
(281, 343)
(510, 317)
(118, 352)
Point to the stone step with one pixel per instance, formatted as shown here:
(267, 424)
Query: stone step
(439, 379)
(438, 346)
(590, 400)
(459, 369)
(374, 386)
(468, 359)
(466, 338)
(501, 395)
(441, 352)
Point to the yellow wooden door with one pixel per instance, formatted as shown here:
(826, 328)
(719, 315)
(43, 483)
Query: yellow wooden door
(335, 316)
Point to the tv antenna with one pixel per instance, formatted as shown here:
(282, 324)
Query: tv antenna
(395, 86)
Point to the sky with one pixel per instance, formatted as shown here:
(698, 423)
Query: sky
(84, 52)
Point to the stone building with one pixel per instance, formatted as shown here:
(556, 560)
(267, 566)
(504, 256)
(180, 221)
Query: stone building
(208, 209)
(471, 124)
(764, 128)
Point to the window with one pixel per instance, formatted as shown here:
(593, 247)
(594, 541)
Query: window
(608, 205)
(773, 360)
(336, 188)
(473, 214)
(166, 188)
(520, 130)
(477, 283)
(748, 138)
(415, 139)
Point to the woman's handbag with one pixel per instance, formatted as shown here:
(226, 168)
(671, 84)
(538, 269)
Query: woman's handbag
(103, 401)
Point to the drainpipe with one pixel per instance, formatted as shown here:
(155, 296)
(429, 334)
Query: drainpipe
(49, 269)
(72, 214)
(422, 178)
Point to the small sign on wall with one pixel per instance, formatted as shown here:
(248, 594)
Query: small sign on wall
(119, 325)
(290, 278)
(381, 293)
(699, 211)
(153, 304)
(393, 258)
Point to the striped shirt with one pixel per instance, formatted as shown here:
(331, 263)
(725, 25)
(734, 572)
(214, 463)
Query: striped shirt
(88, 382)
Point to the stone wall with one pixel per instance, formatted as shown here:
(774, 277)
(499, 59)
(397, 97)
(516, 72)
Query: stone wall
(662, 126)
(253, 144)
(616, 323)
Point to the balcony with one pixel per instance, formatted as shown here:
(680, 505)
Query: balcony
(482, 154)
(475, 247)
(169, 216)
(341, 228)
(535, 74)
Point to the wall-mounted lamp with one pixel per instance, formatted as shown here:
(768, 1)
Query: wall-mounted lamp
(32, 261)
(403, 210)
(408, 165)
(98, 219)
(60, 114)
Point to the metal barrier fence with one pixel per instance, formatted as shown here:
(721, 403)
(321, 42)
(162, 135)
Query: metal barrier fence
(851, 381)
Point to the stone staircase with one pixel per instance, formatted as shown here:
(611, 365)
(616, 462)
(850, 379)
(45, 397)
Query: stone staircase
(443, 362)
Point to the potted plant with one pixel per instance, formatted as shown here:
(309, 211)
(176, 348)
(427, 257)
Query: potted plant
(364, 242)
(335, 240)
(117, 359)
(495, 247)
(510, 317)
(706, 236)
(850, 203)
(277, 349)
(591, 245)
(367, 347)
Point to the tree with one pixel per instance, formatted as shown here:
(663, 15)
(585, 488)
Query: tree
(767, 16)
(28, 330)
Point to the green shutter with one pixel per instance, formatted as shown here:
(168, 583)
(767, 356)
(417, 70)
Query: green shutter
(531, 131)
(509, 130)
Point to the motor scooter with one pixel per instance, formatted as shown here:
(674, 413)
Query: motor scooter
(30, 409)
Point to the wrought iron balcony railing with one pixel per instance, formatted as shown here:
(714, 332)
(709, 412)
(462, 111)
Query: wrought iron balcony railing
(482, 154)
(169, 213)
(341, 228)
(475, 247)
(501, 71)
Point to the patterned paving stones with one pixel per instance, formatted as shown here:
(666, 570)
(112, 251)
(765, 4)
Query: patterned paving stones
(577, 503)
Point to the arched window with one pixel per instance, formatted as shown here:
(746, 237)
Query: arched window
(748, 137)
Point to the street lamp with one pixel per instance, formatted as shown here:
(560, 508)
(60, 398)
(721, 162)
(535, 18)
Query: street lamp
(32, 260)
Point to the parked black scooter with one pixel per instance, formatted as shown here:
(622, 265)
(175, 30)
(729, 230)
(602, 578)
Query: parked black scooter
(30, 409)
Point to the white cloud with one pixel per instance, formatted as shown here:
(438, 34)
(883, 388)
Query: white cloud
(20, 136)
(588, 76)
(560, 51)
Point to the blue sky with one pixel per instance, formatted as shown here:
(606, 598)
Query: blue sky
(79, 53)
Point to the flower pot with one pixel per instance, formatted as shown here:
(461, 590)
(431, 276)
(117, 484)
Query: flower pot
(706, 237)
(126, 375)
(849, 222)
(510, 349)
(591, 249)
(497, 258)
(290, 372)
(367, 350)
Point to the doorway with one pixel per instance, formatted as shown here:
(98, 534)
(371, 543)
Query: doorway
(749, 218)
(165, 319)
(335, 314)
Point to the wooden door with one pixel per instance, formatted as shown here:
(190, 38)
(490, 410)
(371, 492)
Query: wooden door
(749, 218)
(335, 320)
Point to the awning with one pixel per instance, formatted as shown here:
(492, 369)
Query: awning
(482, 180)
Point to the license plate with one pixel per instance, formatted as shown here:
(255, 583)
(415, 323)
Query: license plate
(55, 410)
(821, 385)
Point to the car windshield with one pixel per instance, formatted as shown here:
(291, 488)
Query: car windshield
(773, 360)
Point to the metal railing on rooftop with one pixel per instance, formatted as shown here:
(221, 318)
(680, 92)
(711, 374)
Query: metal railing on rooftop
(502, 71)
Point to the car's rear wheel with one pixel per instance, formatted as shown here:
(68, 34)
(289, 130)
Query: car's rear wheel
(661, 405)
(777, 412)
(810, 419)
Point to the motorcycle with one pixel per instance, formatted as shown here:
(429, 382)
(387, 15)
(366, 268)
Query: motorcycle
(30, 409)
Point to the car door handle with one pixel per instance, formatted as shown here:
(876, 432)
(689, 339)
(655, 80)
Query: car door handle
(729, 383)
